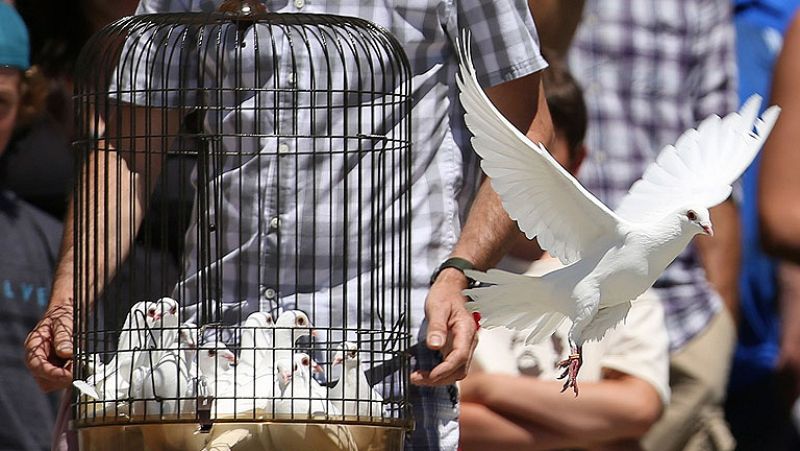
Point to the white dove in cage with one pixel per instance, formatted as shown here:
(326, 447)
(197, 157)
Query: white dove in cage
(299, 397)
(300, 394)
(612, 256)
(290, 326)
(188, 339)
(255, 375)
(167, 386)
(162, 374)
(215, 364)
(112, 380)
(163, 330)
(353, 395)
(256, 357)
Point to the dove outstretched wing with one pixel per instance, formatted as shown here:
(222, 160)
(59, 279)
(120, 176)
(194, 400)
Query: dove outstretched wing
(546, 201)
(702, 166)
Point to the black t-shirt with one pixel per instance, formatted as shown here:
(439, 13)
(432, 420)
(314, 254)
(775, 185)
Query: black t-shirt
(29, 241)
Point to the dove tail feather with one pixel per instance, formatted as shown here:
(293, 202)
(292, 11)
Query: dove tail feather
(548, 324)
(516, 302)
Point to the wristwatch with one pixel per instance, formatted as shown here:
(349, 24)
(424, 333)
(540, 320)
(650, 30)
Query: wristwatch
(454, 262)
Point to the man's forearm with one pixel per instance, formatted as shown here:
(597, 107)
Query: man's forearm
(605, 411)
(481, 429)
(115, 184)
(489, 230)
(111, 211)
(487, 233)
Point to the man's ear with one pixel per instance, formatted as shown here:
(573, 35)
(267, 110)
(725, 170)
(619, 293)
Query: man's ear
(577, 159)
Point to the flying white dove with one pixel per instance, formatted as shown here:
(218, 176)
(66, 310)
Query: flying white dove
(353, 394)
(611, 257)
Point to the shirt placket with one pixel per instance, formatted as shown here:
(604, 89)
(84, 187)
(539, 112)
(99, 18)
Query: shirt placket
(276, 262)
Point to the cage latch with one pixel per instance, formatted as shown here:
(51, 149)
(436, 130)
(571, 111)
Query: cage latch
(204, 401)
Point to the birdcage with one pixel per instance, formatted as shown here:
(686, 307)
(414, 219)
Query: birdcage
(241, 233)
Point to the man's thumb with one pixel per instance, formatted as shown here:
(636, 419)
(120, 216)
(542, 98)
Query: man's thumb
(437, 328)
(62, 340)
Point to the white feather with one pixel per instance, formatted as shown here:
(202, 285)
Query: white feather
(545, 200)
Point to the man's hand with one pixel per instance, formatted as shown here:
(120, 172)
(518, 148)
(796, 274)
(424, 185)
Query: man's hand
(48, 348)
(451, 329)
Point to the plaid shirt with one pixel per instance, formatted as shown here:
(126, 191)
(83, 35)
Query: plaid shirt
(265, 229)
(651, 70)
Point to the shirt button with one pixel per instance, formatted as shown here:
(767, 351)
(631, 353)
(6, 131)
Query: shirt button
(599, 156)
(270, 293)
(274, 223)
(299, 3)
(283, 148)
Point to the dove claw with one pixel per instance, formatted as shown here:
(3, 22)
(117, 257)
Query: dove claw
(571, 365)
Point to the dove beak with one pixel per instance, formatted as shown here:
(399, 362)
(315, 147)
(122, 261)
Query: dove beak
(707, 229)
(286, 376)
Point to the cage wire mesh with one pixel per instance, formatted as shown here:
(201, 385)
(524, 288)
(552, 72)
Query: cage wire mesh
(231, 164)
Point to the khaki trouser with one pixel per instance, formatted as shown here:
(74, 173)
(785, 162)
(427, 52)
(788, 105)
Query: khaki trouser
(694, 419)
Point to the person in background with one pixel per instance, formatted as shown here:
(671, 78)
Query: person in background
(753, 385)
(58, 31)
(649, 73)
(29, 241)
(511, 399)
(779, 215)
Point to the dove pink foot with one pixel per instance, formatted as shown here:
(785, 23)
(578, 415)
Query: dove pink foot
(571, 365)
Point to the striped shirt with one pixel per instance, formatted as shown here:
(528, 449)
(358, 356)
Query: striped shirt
(650, 70)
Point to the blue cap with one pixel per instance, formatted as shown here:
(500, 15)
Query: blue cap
(14, 43)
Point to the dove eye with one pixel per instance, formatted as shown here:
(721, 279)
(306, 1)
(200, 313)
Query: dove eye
(352, 354)
(301, 321)
(305, 361)
(691, 215)
(151, 312)
(212, 353)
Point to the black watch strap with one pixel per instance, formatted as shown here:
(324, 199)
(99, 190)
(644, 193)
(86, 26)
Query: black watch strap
(453, 262)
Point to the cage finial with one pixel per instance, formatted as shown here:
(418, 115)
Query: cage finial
(242, 7)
